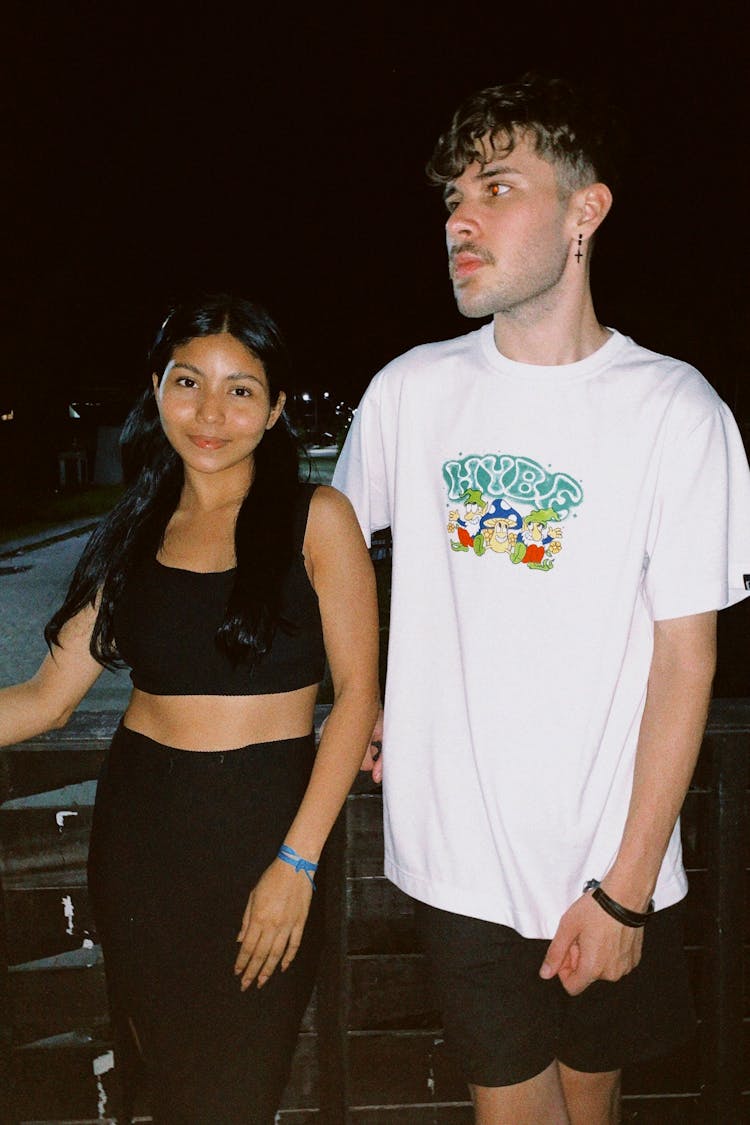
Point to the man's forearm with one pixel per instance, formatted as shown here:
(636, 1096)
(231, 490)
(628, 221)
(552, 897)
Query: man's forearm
(674, 719)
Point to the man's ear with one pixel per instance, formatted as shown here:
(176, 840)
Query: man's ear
(590, 206)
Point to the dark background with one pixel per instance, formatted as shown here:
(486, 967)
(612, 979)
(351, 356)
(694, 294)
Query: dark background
(280, 152)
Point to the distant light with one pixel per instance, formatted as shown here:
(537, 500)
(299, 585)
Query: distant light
(306, 397)
(326, 394)
(8, 416)
(72, 412)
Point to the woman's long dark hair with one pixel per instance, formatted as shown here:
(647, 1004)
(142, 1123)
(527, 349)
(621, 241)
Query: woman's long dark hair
(153, 477)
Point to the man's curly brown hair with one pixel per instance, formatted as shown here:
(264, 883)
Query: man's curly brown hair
(570, 129)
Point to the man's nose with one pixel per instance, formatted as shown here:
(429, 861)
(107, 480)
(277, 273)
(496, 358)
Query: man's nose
(462, 220)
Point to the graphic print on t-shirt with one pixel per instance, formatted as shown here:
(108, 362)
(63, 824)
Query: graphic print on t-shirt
(508, 505)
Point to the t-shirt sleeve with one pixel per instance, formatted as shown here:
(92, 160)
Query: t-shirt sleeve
(361, 468)
(699, 541)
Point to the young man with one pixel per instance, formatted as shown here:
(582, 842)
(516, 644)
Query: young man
(568, 512)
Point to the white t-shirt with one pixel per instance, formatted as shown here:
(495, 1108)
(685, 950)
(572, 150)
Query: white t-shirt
(542, 518)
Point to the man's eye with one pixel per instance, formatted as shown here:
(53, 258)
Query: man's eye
(451, 205)
(498, 189)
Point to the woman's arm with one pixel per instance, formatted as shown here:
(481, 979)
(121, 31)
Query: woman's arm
(344, 581)
(50, 697)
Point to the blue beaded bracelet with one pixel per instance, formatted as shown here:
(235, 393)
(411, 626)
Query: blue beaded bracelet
(306, 866)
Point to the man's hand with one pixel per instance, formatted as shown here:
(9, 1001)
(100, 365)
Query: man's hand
(589, 946)
(373, 759)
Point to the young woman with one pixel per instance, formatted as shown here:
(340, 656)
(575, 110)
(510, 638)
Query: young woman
(224, 584)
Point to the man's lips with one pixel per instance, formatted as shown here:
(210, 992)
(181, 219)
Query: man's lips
(205, 442)
(465, 263)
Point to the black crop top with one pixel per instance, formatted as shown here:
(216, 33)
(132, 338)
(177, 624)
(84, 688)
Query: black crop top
(166, 620)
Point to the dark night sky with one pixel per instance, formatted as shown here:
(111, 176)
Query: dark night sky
(282, 155)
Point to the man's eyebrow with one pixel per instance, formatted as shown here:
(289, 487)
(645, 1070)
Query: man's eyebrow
(486, 174)
(497, 170)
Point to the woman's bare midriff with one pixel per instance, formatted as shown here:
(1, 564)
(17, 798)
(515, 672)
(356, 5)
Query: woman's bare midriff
(221, 722)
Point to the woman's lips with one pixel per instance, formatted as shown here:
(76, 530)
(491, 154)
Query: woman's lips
(207, 442)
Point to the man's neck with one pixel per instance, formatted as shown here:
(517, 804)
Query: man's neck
(556, 336)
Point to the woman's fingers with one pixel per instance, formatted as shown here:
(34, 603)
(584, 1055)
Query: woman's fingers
(246, 919)
(272, 924)
(295, 939)
(264, 958)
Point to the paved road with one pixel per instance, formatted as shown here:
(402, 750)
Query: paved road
(32, 586)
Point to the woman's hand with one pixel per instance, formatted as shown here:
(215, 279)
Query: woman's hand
(272, 924)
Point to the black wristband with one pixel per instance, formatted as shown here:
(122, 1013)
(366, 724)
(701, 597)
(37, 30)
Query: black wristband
(622, 914)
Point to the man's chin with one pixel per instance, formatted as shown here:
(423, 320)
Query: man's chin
(475, 307)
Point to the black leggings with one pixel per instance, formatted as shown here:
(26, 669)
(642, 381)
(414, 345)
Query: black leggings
(178, 841)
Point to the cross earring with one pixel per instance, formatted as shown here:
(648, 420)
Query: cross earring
(579, 255)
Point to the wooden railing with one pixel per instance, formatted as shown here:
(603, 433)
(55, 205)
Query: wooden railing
(370, 1051)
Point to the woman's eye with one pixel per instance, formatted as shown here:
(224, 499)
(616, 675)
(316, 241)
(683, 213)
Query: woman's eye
(185, 381)
(242, 392)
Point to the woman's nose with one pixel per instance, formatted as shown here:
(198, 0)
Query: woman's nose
(210, 407)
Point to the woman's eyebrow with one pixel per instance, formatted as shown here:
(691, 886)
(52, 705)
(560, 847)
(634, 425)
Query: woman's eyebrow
(197, 371)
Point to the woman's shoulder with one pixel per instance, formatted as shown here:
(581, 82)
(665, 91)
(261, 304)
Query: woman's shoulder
(326, 502)
(330, 514)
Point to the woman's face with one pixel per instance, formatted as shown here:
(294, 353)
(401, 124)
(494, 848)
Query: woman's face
(214, 404)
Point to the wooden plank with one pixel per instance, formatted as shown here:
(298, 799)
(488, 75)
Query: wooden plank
(58, 994)
(413, 1115)
(332, 985)
(390, 991)
(45, 854)
(54, 1079)
(726, 898)
(381, 917)
(283, 1117)
(6, 1031)
(70, 1076)
(678, 1073)
(43, 769)
(365, 835)
(644, 1111)
(47, 920)
(85, 730)
(674, 1110)
(402, 1068)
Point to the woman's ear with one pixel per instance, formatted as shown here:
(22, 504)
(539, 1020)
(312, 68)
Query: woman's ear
(276, 410)
(155, 382)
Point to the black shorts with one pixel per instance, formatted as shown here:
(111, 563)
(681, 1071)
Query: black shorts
(504, 1024)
